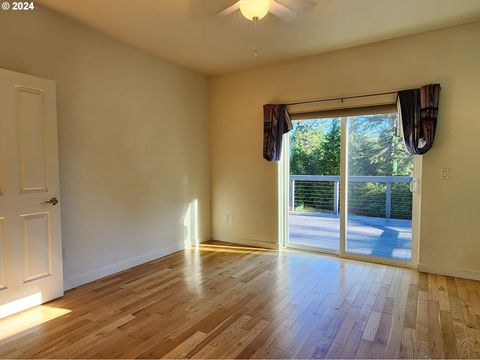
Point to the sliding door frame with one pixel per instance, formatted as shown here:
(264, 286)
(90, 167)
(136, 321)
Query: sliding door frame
(283, 197)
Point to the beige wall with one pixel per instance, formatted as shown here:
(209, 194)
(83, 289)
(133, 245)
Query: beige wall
(133, 132)
(245, 186)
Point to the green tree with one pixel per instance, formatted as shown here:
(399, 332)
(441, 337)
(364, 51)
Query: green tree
(315, 147)
(330, 161)
(306, 148)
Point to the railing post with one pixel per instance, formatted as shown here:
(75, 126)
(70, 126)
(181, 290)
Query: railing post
(336, 188)
(292, 195)
(388, 203)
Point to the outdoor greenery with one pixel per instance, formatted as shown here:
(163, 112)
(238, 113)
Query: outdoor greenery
(374, 149)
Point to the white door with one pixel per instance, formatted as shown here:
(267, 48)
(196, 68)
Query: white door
(30, 234)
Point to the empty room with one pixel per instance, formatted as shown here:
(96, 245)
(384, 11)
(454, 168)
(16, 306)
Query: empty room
(239, 179)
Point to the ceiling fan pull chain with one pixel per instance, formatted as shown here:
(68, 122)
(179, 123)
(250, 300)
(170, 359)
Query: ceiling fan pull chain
(255, 47)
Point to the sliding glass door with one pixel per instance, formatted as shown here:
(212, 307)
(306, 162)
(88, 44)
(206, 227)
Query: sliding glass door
(349, 188)
(379, 200)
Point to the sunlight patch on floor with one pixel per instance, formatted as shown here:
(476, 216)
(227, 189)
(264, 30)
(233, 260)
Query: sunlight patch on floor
(231, 248)
(28, 319)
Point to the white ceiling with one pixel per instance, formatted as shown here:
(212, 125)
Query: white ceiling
(187, 32)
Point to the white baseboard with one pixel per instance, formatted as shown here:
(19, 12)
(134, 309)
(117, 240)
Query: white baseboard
(124, 265)
(247, 242)
(461, 273)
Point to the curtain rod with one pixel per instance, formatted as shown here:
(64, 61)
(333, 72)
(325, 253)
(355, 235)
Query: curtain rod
(341, 98)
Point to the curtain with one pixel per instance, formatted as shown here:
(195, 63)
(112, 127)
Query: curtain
(276, 122)
(418, 112)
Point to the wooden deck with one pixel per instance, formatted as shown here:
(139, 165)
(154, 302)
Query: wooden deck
(389, 238)
(227, 301)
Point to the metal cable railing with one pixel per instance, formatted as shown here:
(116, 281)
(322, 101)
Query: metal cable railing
(375, 196)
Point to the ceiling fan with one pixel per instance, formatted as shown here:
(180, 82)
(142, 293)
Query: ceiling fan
(286, 10)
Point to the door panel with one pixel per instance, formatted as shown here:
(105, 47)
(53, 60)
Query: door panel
(314, 166)
(31, 140)
(36, 245)
(379, 201)
(31, 255)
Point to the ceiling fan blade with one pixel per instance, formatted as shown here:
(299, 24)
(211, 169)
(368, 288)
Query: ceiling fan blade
(282, 11)
(230, 9)
(300, 6)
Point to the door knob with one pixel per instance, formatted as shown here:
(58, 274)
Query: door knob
(52, 201)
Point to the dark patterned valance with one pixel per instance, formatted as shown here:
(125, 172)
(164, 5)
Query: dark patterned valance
(418, 112)
(276, 122)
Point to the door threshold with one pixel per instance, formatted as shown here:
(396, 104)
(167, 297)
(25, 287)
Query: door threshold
(352, 256)
(312, 249)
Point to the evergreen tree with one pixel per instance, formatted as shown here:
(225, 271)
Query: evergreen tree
(330, 161)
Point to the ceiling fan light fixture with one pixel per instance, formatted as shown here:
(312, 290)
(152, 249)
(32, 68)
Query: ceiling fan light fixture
(254, 9)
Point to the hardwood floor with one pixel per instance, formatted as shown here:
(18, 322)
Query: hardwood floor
(224, 301)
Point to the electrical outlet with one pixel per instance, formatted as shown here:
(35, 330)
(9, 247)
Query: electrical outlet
(445, 174)
(226, 219)
(231, 219)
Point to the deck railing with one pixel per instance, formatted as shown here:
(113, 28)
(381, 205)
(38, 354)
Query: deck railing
(321, 192)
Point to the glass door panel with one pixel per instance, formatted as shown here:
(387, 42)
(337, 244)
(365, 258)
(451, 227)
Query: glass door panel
(379, 201)
(314, 185)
